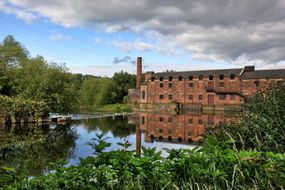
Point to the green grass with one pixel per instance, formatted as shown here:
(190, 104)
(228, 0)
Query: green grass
(114, 108)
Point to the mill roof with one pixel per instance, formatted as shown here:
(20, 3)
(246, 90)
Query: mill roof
(264, 74)
(205, 73)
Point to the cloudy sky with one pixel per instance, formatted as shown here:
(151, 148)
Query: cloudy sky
(102, 37)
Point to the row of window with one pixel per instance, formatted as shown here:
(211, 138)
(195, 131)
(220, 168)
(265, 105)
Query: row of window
(257, 83)
(190, 121)
(200, 77)
(200, 97)
(170, 132)
(190, 85)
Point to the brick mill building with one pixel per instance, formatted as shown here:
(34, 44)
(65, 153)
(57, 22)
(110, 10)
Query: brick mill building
(207, 89)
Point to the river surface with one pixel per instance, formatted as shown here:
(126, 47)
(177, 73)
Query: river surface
(32, 149)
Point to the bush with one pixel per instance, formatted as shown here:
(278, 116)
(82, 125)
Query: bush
(218, 165)
(260, 126)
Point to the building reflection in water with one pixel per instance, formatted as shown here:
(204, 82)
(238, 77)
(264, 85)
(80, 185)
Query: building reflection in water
(187, 128)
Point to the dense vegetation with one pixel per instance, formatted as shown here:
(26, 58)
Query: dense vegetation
(218, 165)
(226, 161)
(261, 125)
(33, 78)
(20, 109)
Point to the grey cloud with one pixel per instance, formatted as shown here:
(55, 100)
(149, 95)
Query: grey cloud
(125, 59)
(225, 30)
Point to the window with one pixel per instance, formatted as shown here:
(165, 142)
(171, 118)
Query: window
(201, 77)
(221, 77)
(211, 120)
(170, 96)
(169, 131)
(232, 85)
(161, 85)
(170, 78)
(170, 120)
(161, 78)
(170, 85)
(190, 84)
(143, 94)
(256, 83)
(161, 96)
(232, 97)
(160, 119)
(160, 130)
(190, 121)
(190, 77)
(190, 97)
(200, 121)
(189, 133)
(246, 84)
(221, 84)
(200, 97)
(232, 76)
(180, 78)
(143, 120)
(211, 77)
(222, 96)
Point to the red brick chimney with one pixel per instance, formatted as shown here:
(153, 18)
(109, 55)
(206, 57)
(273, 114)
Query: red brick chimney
(139, 72)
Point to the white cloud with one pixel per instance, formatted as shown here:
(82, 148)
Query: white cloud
(125, 46)
(164, 48)
(98, 40)
(26, 16)
(225, 30)
(60, 37)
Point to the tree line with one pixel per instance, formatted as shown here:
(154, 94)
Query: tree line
(34, 78)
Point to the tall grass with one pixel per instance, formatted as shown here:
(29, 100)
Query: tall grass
(260, 126)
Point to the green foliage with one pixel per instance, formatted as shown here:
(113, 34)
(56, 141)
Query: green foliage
(21, 109)
(12, 55)
(7, 176)
(31, 78)
(217, 165)
(96, 92)
(33, 150)
(123, 81)
(115, 108)
(260, 126)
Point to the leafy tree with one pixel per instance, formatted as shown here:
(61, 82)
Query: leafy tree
(97, 92)
(12, 55)
(123, 81)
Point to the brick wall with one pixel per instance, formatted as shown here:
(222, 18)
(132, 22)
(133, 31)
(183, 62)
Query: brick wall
(190, 91)
(204, 92)
(184, 128)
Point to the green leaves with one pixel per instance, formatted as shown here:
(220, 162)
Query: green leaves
(23, 109)
(261, 125)
(99, 144)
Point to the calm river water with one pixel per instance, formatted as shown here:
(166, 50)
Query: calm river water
(33, 149)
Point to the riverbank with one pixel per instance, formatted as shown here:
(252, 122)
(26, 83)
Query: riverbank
(114, 108)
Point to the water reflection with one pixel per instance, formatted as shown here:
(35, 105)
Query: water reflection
(30, 149)
(187, 128)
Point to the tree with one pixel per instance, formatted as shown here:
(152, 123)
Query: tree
(97, 92)
(34, 79)
(12, 55)
(123, 81)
